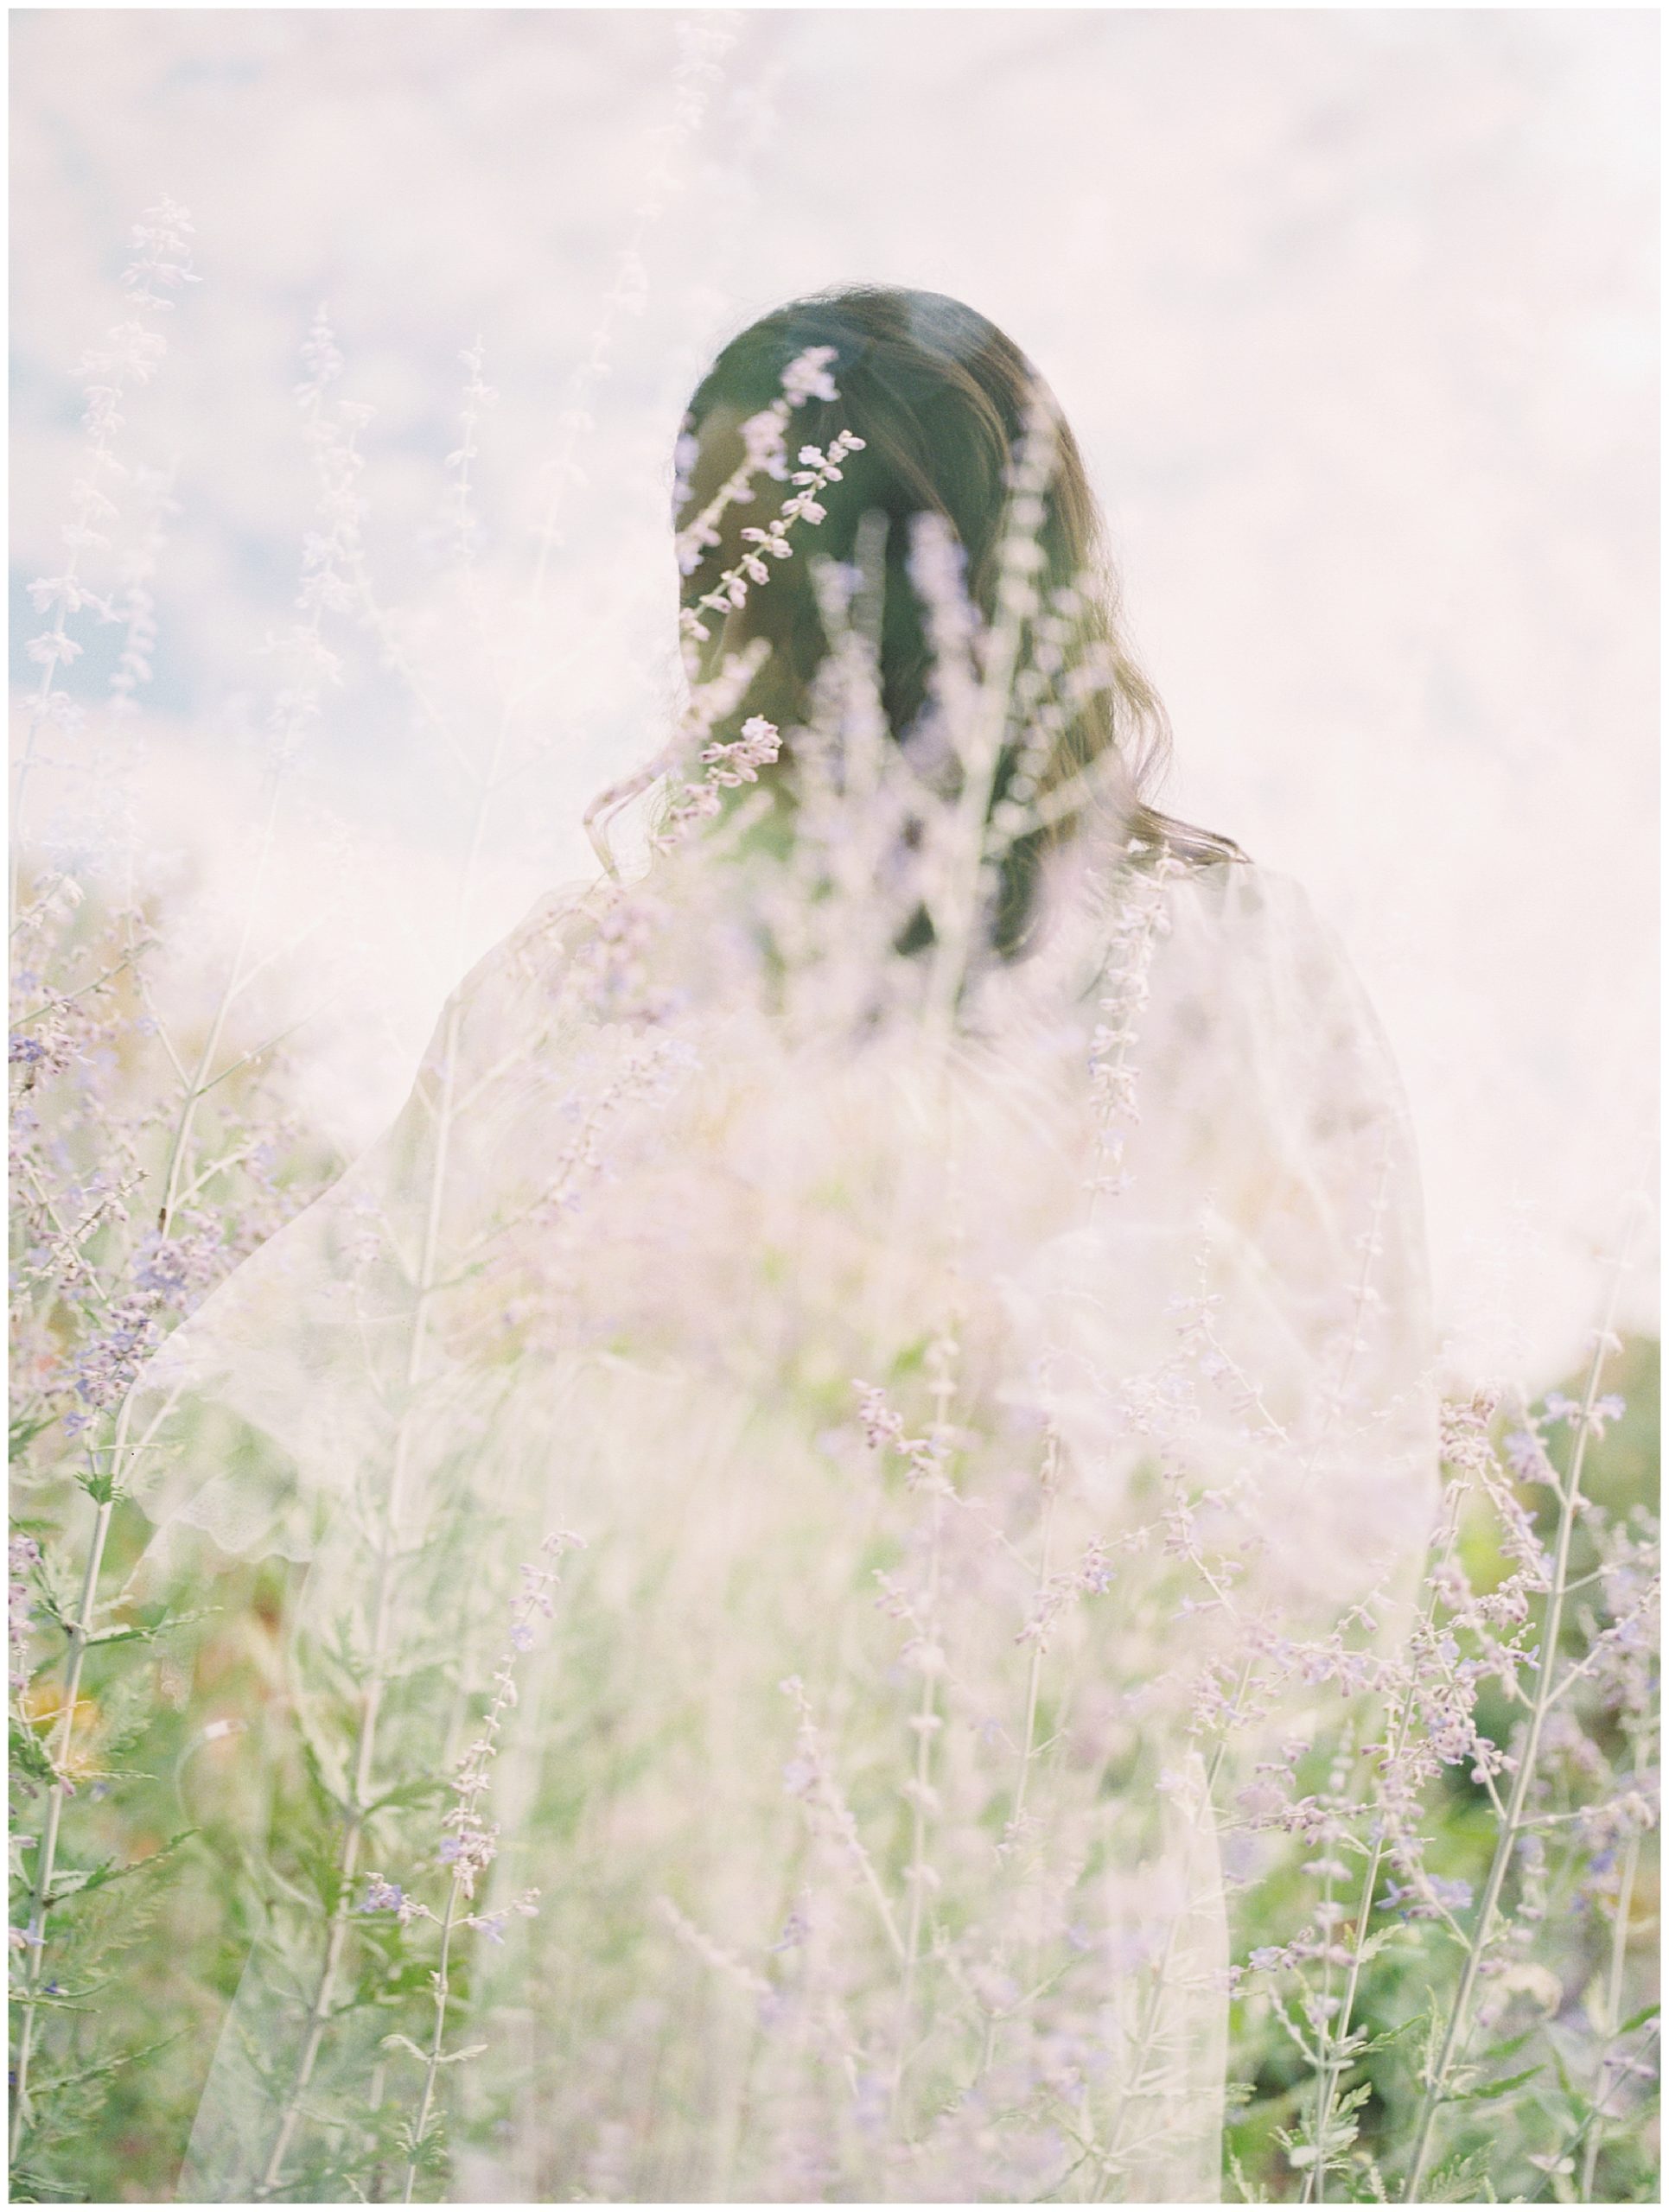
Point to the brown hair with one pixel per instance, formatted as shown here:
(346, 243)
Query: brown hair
(940, 397)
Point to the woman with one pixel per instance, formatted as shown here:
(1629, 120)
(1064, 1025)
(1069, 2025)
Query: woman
(924, 1286)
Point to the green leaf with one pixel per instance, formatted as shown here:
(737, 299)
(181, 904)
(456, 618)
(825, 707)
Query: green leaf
(130, 1632)
(82, 1881)
(409, 1793)
(1569, 2088)
(22, 1431)
(1432, 2021)
(1462, 2179)
(146, 1630)
(29, 1754)
(52, 1605)
(1238, 2175)
(57, 2082)
(68, 1882)
(1378, 1940)
(1639, 2019)
(405, 2043)
(1505, 2049)
(320, 1780)
(1493, 2089)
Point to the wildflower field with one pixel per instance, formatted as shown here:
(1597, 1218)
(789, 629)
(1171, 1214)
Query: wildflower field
(1434, 1810)
(1444, 1908)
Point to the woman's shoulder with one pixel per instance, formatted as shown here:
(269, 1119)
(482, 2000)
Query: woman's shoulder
(1254, 938)
(1258, 910)
(1239, 888)
(539, 945)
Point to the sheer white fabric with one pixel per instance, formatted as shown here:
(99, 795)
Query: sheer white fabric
(1135, 1253)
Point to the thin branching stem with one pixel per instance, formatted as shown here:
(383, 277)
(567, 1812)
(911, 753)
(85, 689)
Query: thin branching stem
(1625, 1906)
(1335, 2045)
(927, 1720)
(1459, 2021)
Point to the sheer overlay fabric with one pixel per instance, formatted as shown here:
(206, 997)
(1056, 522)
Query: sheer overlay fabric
(945, 1412)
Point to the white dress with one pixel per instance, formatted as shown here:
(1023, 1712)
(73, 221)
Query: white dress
(865, 1767)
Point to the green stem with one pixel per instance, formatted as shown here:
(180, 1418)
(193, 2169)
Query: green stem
(443, 1988)
(1338, 2060)
(1512, 1826)
(1150, 2017)
(1613, 2011)
(1034, 1679)
(321, 2007)
(924, 1736)
(47, 1855)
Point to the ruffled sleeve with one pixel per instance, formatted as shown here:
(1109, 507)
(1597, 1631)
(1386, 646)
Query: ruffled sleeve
(289, 1389)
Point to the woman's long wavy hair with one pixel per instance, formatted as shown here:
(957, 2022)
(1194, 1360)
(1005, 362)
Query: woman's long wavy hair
(940, 397)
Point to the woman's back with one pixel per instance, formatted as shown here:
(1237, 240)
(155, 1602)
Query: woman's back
(906, 1387)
